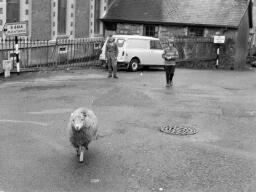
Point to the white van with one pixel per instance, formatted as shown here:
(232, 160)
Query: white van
(135, 51)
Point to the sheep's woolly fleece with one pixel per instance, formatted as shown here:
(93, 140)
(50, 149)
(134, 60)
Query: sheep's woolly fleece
(83, 127)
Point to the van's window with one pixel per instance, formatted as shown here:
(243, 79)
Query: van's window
(120, 42)
(138, 43)
(155, 44)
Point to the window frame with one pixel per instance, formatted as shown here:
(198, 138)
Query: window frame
(196, 31)
(156, 45)
(62, 17)
(12, 11)
(150, 30)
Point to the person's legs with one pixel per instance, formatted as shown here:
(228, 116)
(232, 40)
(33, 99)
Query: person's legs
(172, 70)
(114, 65)
(167, 71)
(109, 60)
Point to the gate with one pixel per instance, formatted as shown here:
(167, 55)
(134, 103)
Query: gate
(60, 53)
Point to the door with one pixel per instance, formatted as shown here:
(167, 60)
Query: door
(156, 52)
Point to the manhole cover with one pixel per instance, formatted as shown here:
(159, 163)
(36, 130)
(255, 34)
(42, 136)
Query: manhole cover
(179, 129)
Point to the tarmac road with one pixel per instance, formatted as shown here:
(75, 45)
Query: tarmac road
(131, 154)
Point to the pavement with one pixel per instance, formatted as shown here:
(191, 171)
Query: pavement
(131, 154)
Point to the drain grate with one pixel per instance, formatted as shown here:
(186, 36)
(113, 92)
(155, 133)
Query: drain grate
(179, 130)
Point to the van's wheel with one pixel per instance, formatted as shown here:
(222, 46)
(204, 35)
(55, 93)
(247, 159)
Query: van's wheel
(134, 65)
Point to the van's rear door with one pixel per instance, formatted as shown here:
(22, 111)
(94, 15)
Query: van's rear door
(156, 52)
(103, 51)
(121, 54)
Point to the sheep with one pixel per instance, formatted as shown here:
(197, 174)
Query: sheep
(83, 127)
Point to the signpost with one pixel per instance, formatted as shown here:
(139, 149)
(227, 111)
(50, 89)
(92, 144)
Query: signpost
(15, 30)
(218, 39)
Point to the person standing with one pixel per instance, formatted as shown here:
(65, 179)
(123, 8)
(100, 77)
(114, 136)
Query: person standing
(170, 56)
(111, 54)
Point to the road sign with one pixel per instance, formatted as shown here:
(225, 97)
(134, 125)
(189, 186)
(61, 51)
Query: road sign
(16, 29)
(219, 39)
(63, 50)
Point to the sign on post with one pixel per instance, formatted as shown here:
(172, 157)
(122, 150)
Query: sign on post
(219, 39)
(16, 29)
(63, 50)
(7, 66)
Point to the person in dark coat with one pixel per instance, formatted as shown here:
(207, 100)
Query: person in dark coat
(170, 56)
(111, 54)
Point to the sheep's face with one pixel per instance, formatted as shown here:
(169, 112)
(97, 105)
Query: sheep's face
(78, 122)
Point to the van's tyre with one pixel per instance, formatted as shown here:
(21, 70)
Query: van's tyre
(134, 65)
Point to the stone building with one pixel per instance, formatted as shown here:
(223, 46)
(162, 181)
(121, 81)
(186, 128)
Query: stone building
(51, 19)
(200, 18)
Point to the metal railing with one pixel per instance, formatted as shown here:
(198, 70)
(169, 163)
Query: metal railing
(37, 54)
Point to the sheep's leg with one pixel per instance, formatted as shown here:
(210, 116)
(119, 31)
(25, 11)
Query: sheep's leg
(81, 157)
(77, 151)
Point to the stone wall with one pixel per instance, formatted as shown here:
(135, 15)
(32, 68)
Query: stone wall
(195, 54)
(129, 29)
(170, 31)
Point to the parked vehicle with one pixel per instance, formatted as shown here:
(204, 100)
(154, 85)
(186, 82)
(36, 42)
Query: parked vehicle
(136, 51)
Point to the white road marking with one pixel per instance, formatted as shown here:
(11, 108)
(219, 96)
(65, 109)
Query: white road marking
(50, 111)
(55, 79)
(25, 122)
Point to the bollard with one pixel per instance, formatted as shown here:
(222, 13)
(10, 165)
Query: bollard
(17, 55)
(217, 60)
(7, 66)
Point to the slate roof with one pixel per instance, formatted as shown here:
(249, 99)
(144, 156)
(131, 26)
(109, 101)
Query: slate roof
(221, 13)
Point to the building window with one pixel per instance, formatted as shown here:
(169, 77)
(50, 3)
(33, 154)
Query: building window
(62, 12)
(1, 22)
(71, 24)
(26, 1)
(71, 32)
(111, 26)
(1, 10)
(53, 24)
(151, 30)
(54, 4)
(26, 12)
(72, 6)
(72, 15)
(196, 31)
(155, 44)
(54, 14)
(12, 11)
